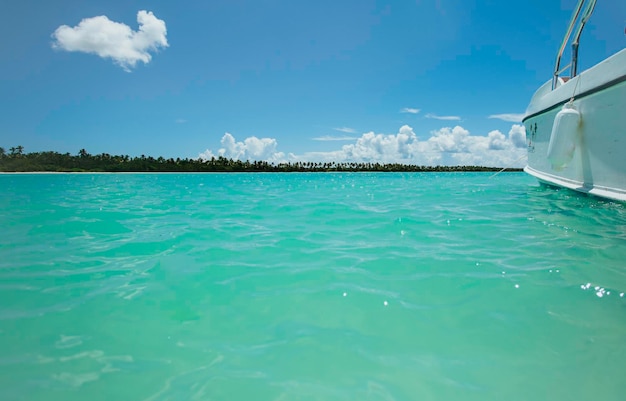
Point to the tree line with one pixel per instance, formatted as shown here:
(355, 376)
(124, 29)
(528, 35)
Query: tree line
(18, 161)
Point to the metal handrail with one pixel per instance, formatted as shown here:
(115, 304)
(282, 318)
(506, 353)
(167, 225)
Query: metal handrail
(583, 20)
(570, 28)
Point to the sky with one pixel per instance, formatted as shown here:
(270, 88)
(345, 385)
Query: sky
(428, 82)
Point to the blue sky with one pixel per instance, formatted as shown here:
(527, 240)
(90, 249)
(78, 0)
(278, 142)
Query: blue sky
(412, 81)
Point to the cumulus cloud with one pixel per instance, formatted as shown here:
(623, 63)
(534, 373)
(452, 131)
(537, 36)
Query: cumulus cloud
(410, 110)
(117, 41)
(445, 118)
(497, 140)
(517, 136)
(448, 146)
(510, 117)
(252, 148)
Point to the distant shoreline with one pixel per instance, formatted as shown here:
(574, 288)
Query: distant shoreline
(504, 170)
(53, 162)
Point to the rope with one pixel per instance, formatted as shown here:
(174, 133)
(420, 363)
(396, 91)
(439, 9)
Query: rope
(523, 156)
(571, 100)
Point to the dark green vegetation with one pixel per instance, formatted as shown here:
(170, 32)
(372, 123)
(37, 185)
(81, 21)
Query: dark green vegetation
(16, 160)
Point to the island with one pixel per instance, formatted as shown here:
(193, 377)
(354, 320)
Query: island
(49, 161)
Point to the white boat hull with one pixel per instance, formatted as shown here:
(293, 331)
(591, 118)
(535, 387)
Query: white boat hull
(598, 163)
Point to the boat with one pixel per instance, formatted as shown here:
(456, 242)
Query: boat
(576, 124)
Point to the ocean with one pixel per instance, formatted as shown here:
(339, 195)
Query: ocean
(309, 286)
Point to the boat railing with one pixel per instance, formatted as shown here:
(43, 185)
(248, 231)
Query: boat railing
(573, 65)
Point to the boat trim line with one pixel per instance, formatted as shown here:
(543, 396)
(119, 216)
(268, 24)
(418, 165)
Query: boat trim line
(560, 103)
(604, 192)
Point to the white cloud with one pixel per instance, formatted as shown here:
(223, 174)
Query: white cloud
(252, 148)
(346, 130)
(497, 140)
(410, 110)
(510, 117)
(445, 118)
(445, 147)
(114, 40)
(517, 135)
(334, 138)
(206, 155)
(449, 140)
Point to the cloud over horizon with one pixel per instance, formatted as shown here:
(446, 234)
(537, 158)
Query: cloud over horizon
(445, 147)
(117, 41)
(252, 148)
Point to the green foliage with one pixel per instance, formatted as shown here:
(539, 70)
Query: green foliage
(17, 160)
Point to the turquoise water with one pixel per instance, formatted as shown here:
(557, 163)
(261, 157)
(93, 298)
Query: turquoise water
(309, 287)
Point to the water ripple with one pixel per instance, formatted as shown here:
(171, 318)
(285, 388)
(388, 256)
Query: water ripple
(308, 286)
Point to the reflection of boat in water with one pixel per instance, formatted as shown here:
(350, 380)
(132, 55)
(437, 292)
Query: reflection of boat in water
(576, 126)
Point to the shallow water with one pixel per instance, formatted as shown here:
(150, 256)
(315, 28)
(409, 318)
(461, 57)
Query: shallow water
(454, 286)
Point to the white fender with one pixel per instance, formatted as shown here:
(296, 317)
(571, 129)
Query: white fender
(564, 136)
